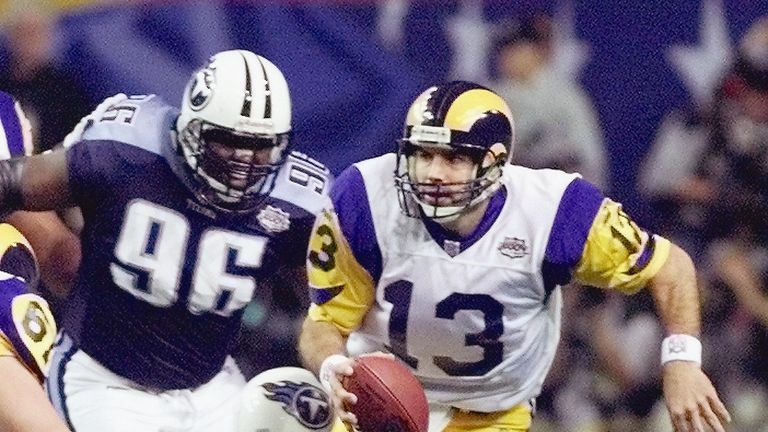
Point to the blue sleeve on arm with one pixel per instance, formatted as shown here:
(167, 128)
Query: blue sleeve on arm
(350, 200)
(575, 215)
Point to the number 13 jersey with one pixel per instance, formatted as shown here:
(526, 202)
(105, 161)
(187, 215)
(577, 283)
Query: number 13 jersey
(476, 318)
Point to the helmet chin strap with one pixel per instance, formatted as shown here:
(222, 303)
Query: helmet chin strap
(448, 214)
(445, 214)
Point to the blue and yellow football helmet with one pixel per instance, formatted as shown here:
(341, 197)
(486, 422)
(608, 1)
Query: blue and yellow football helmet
(463, 117)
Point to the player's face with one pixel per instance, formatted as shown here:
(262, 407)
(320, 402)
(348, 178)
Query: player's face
(235, 167)
(441, 175)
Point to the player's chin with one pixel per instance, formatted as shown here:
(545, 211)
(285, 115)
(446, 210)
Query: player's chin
(237, 180)
(438, 200)
(444, 201)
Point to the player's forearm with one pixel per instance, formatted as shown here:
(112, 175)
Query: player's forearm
(39, 182)
(317, 341)
(11, 198)
(23, 405)
(676, 295)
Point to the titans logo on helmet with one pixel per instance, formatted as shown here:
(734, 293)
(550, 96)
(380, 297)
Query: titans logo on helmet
(303, 401)
(202, 88)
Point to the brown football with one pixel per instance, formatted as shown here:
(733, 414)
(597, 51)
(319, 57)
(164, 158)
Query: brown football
(389, 397)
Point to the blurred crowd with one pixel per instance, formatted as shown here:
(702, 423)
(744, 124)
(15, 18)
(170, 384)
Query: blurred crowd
(705, 179)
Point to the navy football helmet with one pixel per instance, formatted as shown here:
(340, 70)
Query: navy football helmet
(233, 129)
(461, 117)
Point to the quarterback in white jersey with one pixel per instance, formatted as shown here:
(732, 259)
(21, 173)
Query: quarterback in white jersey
(462, 281)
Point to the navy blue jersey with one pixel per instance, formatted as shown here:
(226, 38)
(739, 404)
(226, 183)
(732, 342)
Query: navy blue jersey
(164, 278)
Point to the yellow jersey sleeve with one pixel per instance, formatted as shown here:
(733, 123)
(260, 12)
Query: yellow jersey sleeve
(342, 291)
(618, 254)
(36, 330)
(6, 349)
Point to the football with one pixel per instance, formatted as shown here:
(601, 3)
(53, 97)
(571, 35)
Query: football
(389, 397)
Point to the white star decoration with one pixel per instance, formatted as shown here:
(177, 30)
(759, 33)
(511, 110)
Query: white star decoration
(390, 23)
(569, 54)
(702, 66)
(469, 35)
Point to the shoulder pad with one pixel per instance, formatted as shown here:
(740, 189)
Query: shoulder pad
(303, 182)
(144, 121)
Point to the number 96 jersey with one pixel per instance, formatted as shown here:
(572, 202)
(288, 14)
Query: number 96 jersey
(27, 328)
(476, 318)
(165, 277)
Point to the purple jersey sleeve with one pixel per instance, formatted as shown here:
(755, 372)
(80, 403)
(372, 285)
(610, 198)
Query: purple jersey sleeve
(575, 215)
(350, 201)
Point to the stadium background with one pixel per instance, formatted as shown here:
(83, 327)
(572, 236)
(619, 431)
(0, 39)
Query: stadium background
(351, 87)
(353, 66)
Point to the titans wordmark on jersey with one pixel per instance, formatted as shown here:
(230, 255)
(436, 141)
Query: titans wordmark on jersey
(164, 278)
(27, 327)
(476, 318)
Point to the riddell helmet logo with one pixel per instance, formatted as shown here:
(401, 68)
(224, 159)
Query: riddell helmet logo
(513, 247)
(303, 401)
(201, 90)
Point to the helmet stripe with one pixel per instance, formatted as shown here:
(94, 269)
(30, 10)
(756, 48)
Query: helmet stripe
(246, 110)
(445, 96)
(471, 105)
(267, 93)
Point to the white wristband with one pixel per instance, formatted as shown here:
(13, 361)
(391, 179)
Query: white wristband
(681, 347)
(328, 369)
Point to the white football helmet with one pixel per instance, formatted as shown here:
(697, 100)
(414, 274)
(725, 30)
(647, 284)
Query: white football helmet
(286, 399)
(240, 102)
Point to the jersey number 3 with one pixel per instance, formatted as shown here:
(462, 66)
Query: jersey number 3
(152, 250)
(399, 294)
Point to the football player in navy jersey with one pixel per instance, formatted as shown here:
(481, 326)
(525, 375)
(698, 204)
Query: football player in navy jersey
(185, 213)
(57, 249)
(27, 331)
(461, 281)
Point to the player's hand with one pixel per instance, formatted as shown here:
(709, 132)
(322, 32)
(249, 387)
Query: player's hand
(332, 372)
(87, 121)
(691, 399)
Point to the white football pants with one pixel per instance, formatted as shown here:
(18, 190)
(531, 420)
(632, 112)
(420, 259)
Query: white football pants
(93, 399)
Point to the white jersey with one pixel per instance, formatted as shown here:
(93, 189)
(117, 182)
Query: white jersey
(494, 328)
(478, 318)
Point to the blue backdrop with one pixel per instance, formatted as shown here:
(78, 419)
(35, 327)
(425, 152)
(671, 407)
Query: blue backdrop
(351, 85)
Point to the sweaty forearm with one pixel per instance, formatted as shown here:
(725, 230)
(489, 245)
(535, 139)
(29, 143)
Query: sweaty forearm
(317, 341)
(39, 182)
(11, 198)
(676, 295)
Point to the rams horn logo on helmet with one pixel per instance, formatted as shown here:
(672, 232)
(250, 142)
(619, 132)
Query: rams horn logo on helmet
(201, 90)
(307, 403)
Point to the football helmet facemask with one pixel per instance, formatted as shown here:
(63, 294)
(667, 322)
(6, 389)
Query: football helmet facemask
(460, 117)
(233, 129)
